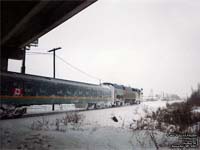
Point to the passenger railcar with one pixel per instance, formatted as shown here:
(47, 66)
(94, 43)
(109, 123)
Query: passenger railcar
(22, 90)
(34, 90)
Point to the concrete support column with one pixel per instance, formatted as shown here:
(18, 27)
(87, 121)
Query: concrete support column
(4, 64)
(23, 68)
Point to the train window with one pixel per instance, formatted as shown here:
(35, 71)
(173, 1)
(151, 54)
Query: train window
(80, 92)
(59, 90)
(108, 93)
(17, 84)
(28, 89)
(5, 88)
(94, 92)
(87, 93)
(14, 84)
(83, 91)
(77, 91)
(42, 91)
(99, 93)
(72, 90)
(67, 92)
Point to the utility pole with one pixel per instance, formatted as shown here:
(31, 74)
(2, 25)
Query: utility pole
(23, 68)
(54, 63)
(54, 66)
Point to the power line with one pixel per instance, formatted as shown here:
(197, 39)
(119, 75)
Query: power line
(66, 63)
(83, 72)
(38, 53)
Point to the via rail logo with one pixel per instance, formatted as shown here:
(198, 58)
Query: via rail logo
(17, 92)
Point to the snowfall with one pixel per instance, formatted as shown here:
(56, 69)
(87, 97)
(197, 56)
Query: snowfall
(96, 130)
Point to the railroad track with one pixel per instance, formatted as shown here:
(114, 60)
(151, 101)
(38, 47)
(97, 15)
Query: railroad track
(58, 112)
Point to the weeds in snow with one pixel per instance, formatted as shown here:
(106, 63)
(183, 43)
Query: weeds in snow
(42, 124)
(69, 121)
(72, 120)
(151, 139)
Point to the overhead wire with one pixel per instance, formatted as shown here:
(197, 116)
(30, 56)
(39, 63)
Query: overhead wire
(38, 53)
(76, 68)
(66, 63)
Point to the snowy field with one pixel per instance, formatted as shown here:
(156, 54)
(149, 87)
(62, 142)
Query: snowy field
(96, 130)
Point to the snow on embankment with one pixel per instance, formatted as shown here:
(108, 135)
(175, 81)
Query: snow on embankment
(124, 115)
(97, 130)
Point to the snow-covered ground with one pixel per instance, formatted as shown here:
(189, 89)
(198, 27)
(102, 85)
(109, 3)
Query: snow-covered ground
(97, 130)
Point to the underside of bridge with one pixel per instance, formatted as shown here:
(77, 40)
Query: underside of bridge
(23, 22)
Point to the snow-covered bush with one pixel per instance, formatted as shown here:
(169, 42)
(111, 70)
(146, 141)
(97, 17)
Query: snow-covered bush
(178, 114)
(41, 124)
(194, 99)
(176, 117)
(73, 120)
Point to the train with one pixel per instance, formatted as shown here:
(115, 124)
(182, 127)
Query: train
(17, 91)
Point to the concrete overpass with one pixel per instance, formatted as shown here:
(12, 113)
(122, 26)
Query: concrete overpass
(23, 22)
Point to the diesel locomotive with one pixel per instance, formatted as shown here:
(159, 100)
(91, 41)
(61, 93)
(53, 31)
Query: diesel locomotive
(17, 91)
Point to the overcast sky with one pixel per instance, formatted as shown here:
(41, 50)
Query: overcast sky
(149, 44)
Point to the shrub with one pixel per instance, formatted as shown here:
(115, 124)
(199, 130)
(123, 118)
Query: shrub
(42, 124)
(176, 117)
(194, 99)
(73, 118)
